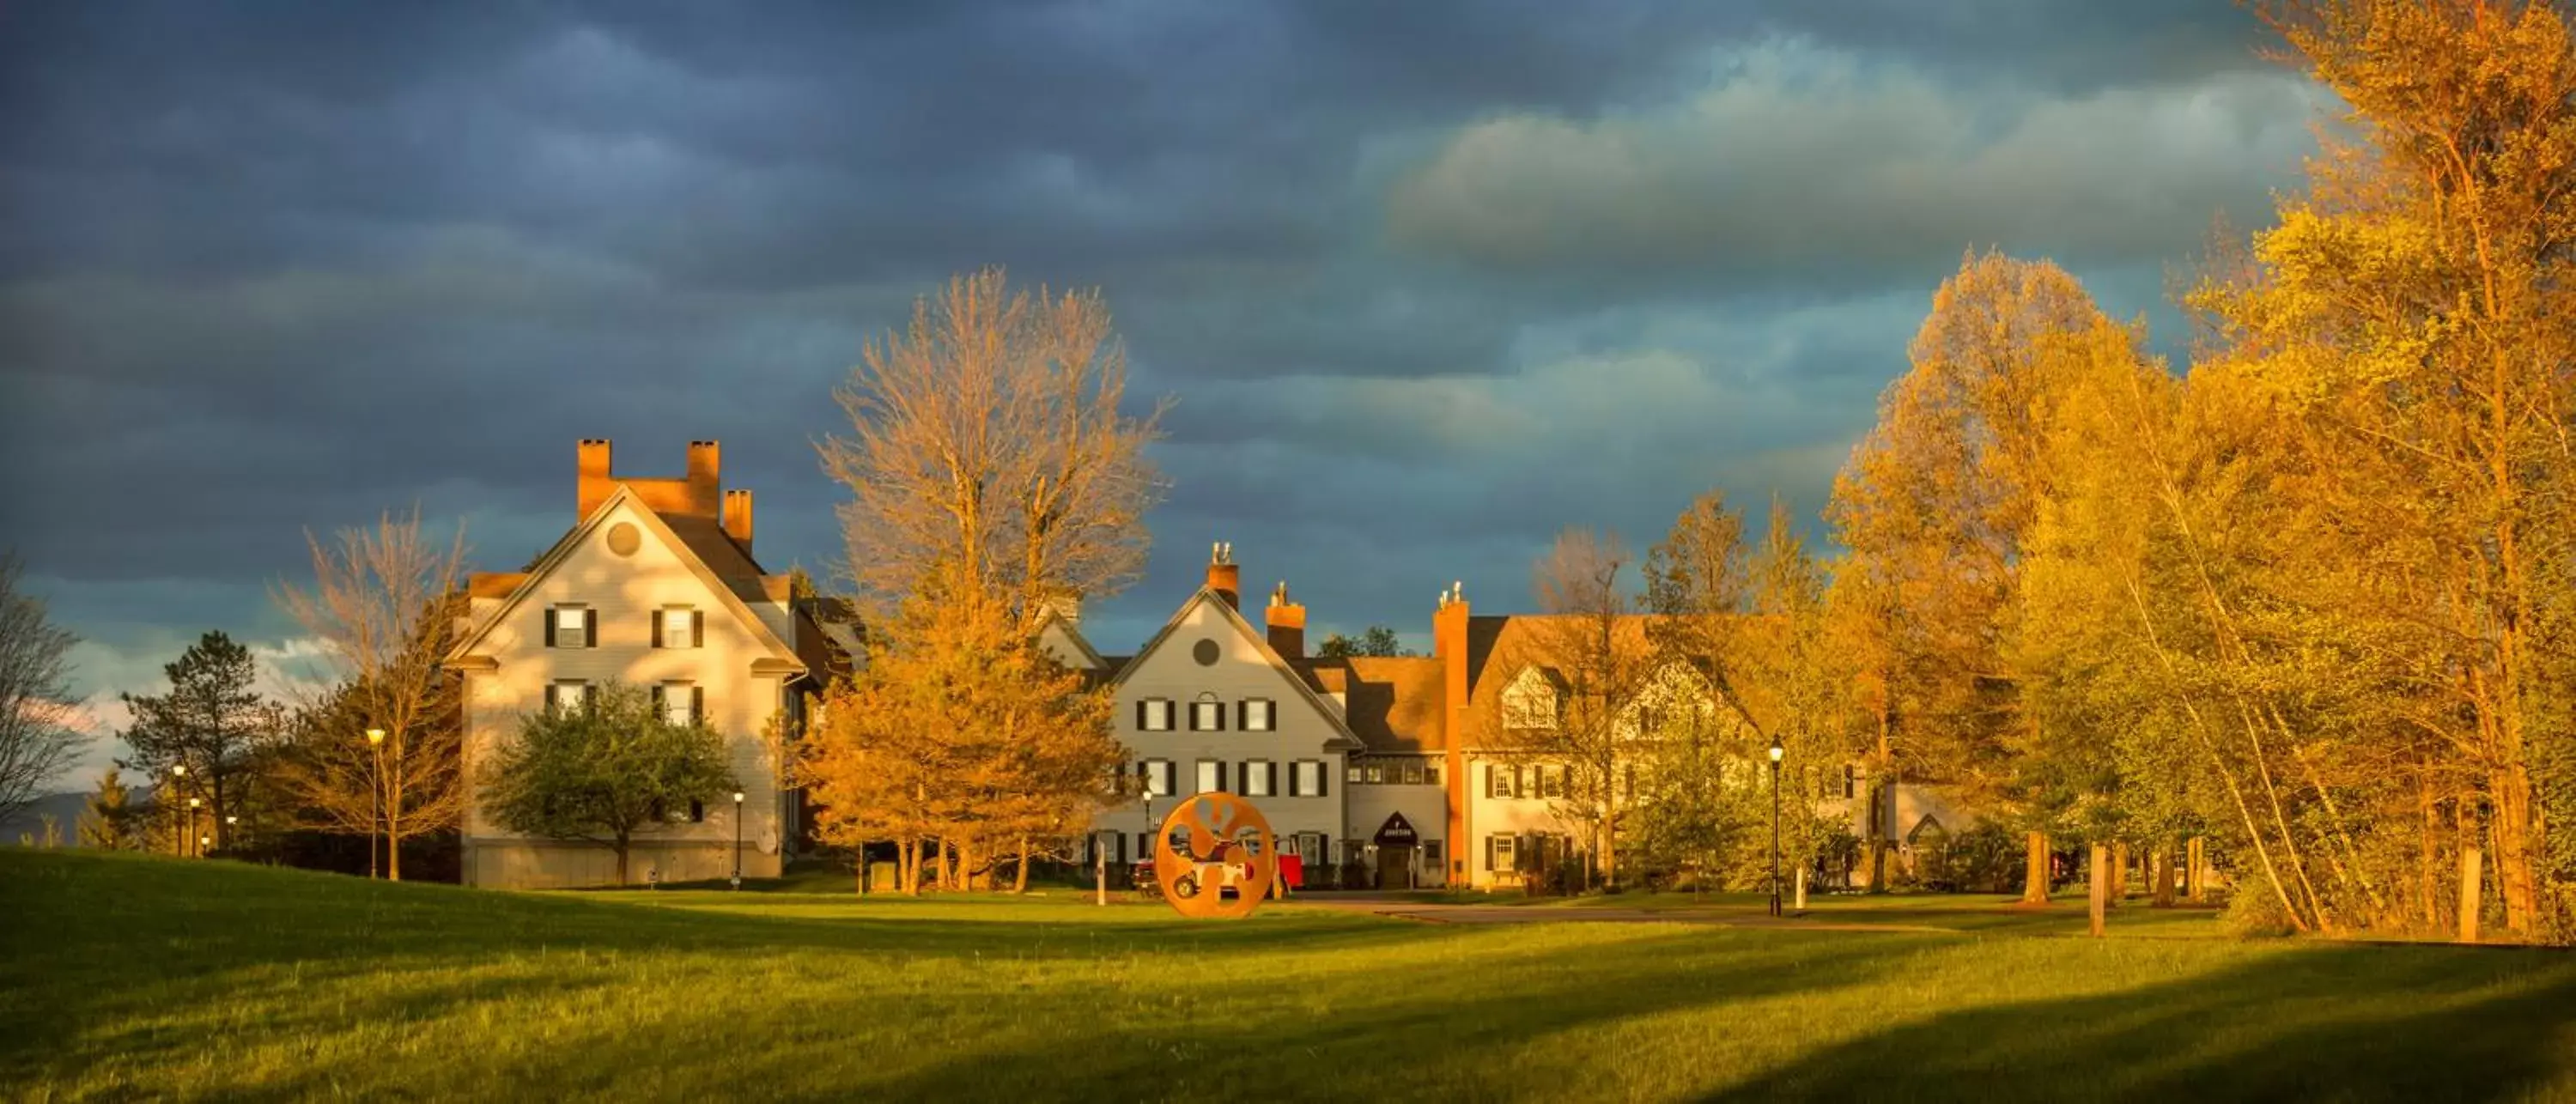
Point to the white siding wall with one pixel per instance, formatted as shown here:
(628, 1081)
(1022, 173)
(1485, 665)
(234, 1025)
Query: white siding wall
(1489, 816)
(626, 590)
(1426, 807)
(1172, 671)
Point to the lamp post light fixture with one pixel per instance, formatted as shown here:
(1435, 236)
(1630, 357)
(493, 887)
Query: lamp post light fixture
(375, 796)
(192, 825)
(178, 781)
(1776, 752)
(737, 839)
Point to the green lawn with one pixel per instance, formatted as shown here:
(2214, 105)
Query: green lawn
(1959, 912)
(129, 977)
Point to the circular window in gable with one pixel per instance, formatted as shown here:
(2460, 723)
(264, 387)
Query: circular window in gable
(1205, 652)
(622, 538)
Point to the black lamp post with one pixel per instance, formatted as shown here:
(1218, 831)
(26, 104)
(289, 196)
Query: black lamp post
(376, 800)
(192, 827)
(1776, 752)
(737, 839)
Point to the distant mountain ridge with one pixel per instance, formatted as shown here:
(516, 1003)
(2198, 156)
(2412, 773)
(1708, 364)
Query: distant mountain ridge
(66, 809)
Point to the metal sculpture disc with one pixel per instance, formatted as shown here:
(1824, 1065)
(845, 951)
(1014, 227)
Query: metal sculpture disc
(1229, 847)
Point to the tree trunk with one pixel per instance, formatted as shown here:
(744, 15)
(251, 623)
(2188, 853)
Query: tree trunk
(620, 847)
(2472, 891)
(2119, 873)
(2511, 829)
(947, 865)
(1801, 905)
(2428, 875)
(2195, 875)
(2161, 871)
(393, 844)
(2034, 885)
(1610, 839)
(2098, 889)
(1020, 873)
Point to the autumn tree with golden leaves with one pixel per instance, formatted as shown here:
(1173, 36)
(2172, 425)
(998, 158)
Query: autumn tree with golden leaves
(994, 475)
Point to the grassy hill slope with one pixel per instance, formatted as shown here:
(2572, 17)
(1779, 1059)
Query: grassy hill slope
(126, 976)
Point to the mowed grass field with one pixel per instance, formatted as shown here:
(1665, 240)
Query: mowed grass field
(127, 977)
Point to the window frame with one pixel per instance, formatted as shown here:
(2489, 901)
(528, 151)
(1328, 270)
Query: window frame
(1260, 778)
(1200, 776)
(693, 624)
(683, 713)
(1160, 786)
(1206, 707)
(1269, 714)
(586, 621)
(1146, 710)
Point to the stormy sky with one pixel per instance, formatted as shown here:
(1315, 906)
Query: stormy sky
(1429, 280)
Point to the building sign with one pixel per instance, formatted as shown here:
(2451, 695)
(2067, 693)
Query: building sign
(1225, 847)
(1397, 832)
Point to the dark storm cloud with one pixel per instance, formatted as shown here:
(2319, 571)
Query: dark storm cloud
(1430, 279)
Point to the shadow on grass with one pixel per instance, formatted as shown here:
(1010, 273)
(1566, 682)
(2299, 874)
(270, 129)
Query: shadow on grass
(99, 943)
(2320, 1022)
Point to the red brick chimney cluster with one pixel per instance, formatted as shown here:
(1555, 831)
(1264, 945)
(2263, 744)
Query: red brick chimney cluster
(699, 494)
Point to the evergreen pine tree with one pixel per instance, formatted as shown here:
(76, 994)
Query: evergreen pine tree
(103, 823)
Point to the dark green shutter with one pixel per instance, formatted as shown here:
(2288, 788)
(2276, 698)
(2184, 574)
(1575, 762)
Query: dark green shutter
(552, 705)
(590, 628)
(697, 628)
(697, 704)
(658, 615)
(549, 615)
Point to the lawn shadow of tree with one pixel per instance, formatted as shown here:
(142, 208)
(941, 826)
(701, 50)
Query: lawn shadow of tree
(2481, 1025)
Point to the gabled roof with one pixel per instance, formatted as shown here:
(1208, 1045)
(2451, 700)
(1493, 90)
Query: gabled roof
(1395, 703)
(1074, 634)
(1347, 740)
(780, 653)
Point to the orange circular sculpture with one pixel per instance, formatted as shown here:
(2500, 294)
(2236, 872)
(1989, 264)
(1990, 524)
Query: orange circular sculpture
(1228, 849)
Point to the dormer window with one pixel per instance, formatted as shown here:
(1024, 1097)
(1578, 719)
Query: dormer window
(678, 627)
(572, 627)
(1529, 703)
(1207, 714)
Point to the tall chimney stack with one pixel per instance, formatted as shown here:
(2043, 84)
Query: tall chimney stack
(706, 479)
(737, 517)
(1223, 576)
(595, 484)
(1287, 621)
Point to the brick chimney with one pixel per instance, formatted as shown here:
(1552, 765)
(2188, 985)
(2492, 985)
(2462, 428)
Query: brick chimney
(1449, 646)
(737, 517)
(596, 485)
(1287, 622)
(706, 483)
(1223, 576)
